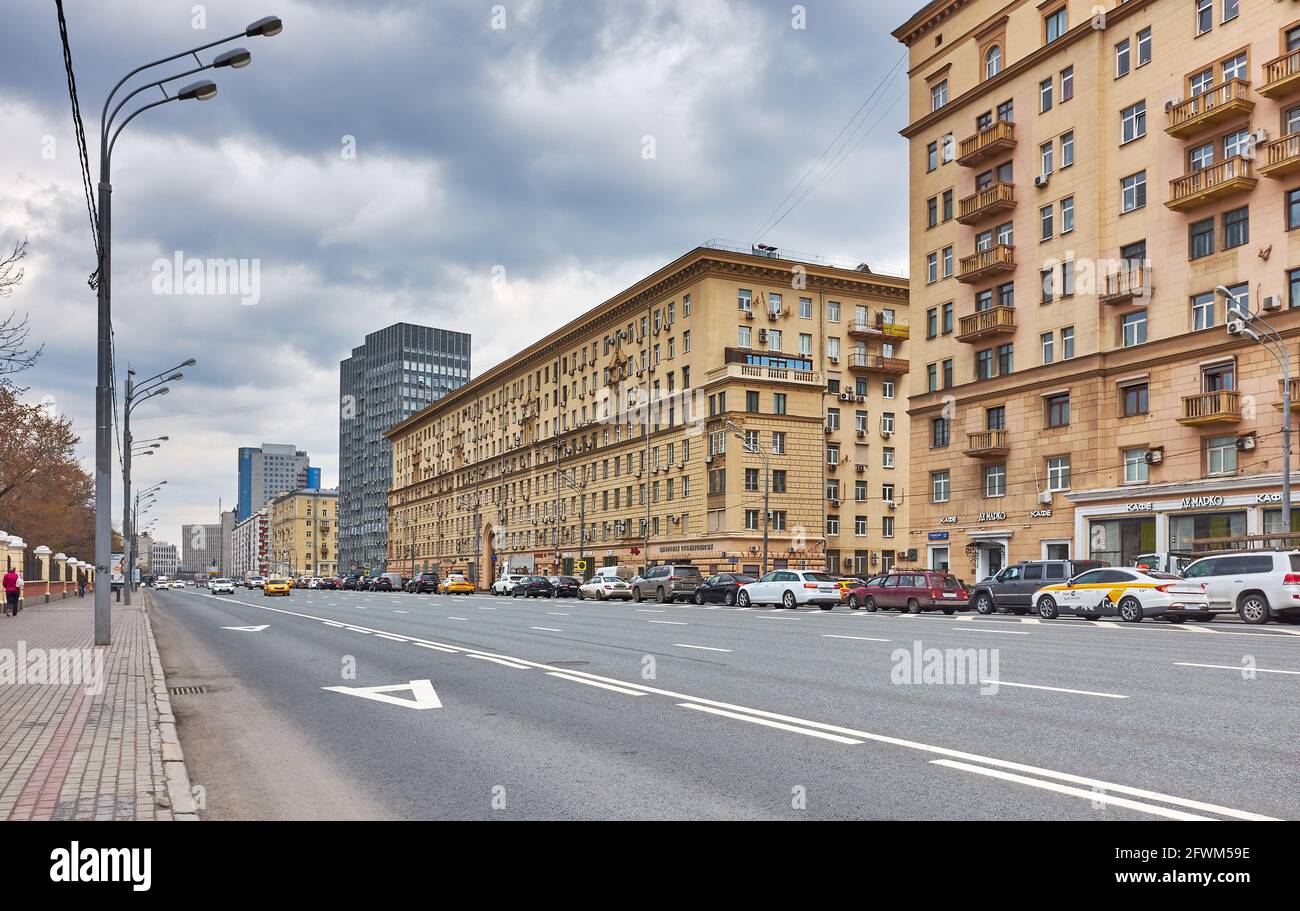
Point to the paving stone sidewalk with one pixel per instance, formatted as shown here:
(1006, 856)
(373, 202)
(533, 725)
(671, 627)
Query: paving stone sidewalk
(70, 750)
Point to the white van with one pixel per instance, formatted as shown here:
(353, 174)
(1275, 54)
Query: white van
(1259, 585)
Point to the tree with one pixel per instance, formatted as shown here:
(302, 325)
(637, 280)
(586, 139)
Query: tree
(15, 355)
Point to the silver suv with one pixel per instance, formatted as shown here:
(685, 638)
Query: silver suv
(1259, 585)
(669, 582)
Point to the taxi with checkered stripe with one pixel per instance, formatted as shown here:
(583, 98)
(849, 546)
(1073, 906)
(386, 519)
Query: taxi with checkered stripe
(1128, 594)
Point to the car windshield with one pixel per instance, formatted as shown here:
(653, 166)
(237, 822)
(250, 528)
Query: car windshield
(945, 580)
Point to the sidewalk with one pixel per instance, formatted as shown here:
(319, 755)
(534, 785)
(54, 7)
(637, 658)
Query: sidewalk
(73, 750)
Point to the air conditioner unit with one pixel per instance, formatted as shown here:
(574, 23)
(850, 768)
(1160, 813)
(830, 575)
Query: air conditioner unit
(1045, 497)
(676, 519)
(862, 434)
(1155, 456)
(708, 460)
(828, 429)
(1246, 443)
(844, 396)
(834, 359)
(1172, 103)
(762, 335)
(749, 314)
(835, 502)
(861, 398)
(1272, 302)
(861, 469)
(886, 434)
(891, 504)
(1259, 136)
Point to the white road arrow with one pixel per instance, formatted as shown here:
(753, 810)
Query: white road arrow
(423, 695)
(249, 629)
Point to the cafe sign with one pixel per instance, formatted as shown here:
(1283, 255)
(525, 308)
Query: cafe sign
(1141, 507)
(1200, 502)
(992, 517)
(1041, 514)
(947, 520)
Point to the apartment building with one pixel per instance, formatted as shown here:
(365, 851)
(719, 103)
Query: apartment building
(1095, 187)
(250, 546)
(201, 549)
(163, 558)
(648, 430)
(303, 531)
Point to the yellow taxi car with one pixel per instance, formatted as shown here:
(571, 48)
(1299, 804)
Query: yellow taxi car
(456, 585)
(277, 587)
(846, 584)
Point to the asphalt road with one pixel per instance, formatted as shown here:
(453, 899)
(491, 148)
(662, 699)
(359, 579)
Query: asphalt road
(564, 709)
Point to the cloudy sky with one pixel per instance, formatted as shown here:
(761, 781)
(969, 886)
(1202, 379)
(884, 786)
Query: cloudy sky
(381, 161)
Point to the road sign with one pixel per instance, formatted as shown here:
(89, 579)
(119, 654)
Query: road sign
(580, 565)
(423, 695)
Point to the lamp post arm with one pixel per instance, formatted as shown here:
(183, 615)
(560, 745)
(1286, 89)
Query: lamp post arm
(108, 154)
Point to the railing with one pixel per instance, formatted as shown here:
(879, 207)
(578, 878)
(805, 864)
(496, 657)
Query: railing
(990, 195)
(1000, 131)
(996, 255)
(988, 320)
(1198, 105)
(1282, 149)
(1280, 68)
(1223, 403)
(986, 440)
(1216, 175)
(878, 362)
(1295, 391)
(880, 327)
(1132, 281)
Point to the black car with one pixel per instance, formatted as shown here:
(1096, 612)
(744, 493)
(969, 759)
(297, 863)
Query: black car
(329, 583)
(565, 586)
(533, 587)
(381, 584)
(352, 583)
(423, 584)
(721, 588)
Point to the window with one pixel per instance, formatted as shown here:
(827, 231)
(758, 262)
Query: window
(1144, 46)
(946, 368)
(932, 267)
(744, 300)
(1236, 228)
(995, 480)
(995, 418)
(947, 262)
(1230, 9)
(1049, 288)
(1122, 58)
(932, 322)
(773, 339)
(833, 311)
(984, 364)
(947, 322)
(1234, 67)
(1204, 16)
(859, 525)
(938, 95)
(1067, 215)
(1133, 192)
(832, 455)
(932, 156)
(1135, 466)
(1054, 25)
(940, 487)
(887, 457)
(1067, 343)
(1045, 159)
(887, 422)
(1044, 96)
(1058, 410)
(805, 308)
(1067, 149)
(1045, 222)
(1203, 310)
(1134, 399)
(940, 432)
(1005, 359)
(1133, 122)
(751, 401)
(742, 336)
(992, 61)
(778, 403)
(805, 344)
(1058, 473)
(1067, 83)
(1201, 82)
(1133, 328)
(1007, 295)
(1048, 340)
(1293, 288)
(1221, 455)
(1200, 238)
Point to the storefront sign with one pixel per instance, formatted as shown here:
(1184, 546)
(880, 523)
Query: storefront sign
(1269, 498)
(1141, 507)
(1041, 514)
(686, 548)
(947, 520)
(993, 516)
(938, 536)
(1197, 502)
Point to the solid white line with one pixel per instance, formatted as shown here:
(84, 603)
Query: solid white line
(515, 665)
(1238, 668)
(771, 617)
(487, 608)
(766, 723)
(458, 618)
(386, 636)
(862, 638)
(1054, 689)
(332, 623)
(705, 648)
(547, 629)
(646, 610)
(353, 629)
(1099, 796)
(401, 611)
(1005, 632)
(670, 622)
(551, 613)
(436, 648)
(603, 686)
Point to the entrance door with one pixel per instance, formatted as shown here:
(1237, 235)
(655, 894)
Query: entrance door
(991, 558)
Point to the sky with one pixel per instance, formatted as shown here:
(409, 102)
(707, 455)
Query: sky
(496, 169)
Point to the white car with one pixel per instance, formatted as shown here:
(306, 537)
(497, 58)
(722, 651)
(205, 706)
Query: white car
(603, 587)
(791, 588)
(255, 581)
(506, 584)
(1129, 594)
(221, 587)
(1258, 585)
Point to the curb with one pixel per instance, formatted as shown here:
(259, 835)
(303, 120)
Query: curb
(180, 793)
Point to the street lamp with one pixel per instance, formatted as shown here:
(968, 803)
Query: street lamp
(1271, 341)
(200, 91)
(757, 448)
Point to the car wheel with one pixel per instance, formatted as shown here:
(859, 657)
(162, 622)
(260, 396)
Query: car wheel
(826, 606)
(984, 604)
(950, 611)
(913, 606)
(1130, 610)
(743, 599)
(699, 598)
(870, 604)
(788, 602)
(1253, 609)
(659, 596)
(853, 602)
(1047, 608)
(729, 599)
(636, 595)
(1092, 616)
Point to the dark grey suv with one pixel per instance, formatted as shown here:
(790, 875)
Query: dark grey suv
(670, 582)
(1013, 588)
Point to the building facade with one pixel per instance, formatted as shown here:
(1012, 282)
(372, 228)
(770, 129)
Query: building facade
(398, 371)
(1086, 184)
(250, 547)
(649, 429)
(163, 559)
(227, 542)
(303, 533)
(268, 470)
(201, 549)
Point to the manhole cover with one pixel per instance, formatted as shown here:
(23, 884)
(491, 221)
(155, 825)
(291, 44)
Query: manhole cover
(567, 663)
(187, 690)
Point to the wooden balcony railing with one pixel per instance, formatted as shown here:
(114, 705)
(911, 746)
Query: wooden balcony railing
(1232, 175)
(1281, 156)
(997, 258)
(1281, 75)
(1220, 407)
(998, 197)
(1125, 285)
(1223, 102)
(1295, 392)
(990, 141)
(876, 363)
(982, 323)
(987, 443)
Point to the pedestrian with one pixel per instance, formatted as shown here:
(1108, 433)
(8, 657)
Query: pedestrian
(81, 585)
(13, 585)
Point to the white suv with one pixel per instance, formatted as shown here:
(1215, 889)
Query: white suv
(790, 588)
(1259, 585)
(506, 584)
(221, 587)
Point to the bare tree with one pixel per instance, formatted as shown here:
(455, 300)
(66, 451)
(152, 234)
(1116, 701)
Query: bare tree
(15, 355)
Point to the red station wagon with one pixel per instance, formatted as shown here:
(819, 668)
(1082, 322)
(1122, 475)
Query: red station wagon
(912, 591)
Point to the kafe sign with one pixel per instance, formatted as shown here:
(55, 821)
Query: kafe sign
(1200, 502)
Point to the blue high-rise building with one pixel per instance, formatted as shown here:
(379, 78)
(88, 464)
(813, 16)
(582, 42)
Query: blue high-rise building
(268, 470)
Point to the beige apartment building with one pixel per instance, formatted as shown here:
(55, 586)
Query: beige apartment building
(656, 421)
(1083, 178)
(302, 533)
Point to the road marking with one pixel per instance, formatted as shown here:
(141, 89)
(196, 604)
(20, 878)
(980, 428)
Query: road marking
(1099, 796)
(332, 623)
(1030, 620)
(487, 608)
(1103, 624)
(423, 695)
(357, 629)
(646, 610)
(516, 665)
(248, 629)
(670, 622)
(768, 723)
(1198, 628)
(386, 636)
(401, 611)
(551, 613)
(862, 638)
(437, 648)
(458, 618)
(1239, 668)
(547, 629)
(704, 648)
(1054, 689)
(968, 616)
(773, 617)
(596, 683)
(1004, 632)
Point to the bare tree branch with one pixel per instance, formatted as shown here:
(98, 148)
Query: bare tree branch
(15, 355)
(11, 270)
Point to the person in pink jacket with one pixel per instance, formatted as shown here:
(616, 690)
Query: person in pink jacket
(13, 585)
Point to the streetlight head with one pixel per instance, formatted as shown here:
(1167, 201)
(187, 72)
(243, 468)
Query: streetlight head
(202, 90)
(266, 27)
(190, 363)
(1223, 289)
(236, 59)
(163, 391)
(176, 376)
(164, 438)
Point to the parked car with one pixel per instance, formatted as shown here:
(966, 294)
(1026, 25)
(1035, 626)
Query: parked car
(330, 583)
(667, 583)
(533, 587)
(791, 588)
(1013, 588)
(1259, 585)
(914, 591)
(457, 584)
(721, 589)
(606, 585)
(423, 583)
(276, 586)
(846, 584)
(387, 582)
(255, 582)
(565, 586)
(1174, 562)
(506, 584)
(1129, 594)
(350, 582)
(221, 587)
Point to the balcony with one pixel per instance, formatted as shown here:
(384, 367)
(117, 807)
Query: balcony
(1281, 75)
(1199, 188)
(1210, 108)
(875, 363)
(1281, 157)
(985, 264)
(1295, 394)
(987, 444)
(879, 329)
(995, 198)
(986, 323)
(1123, 286)
(1221, 407)
(988, 142)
